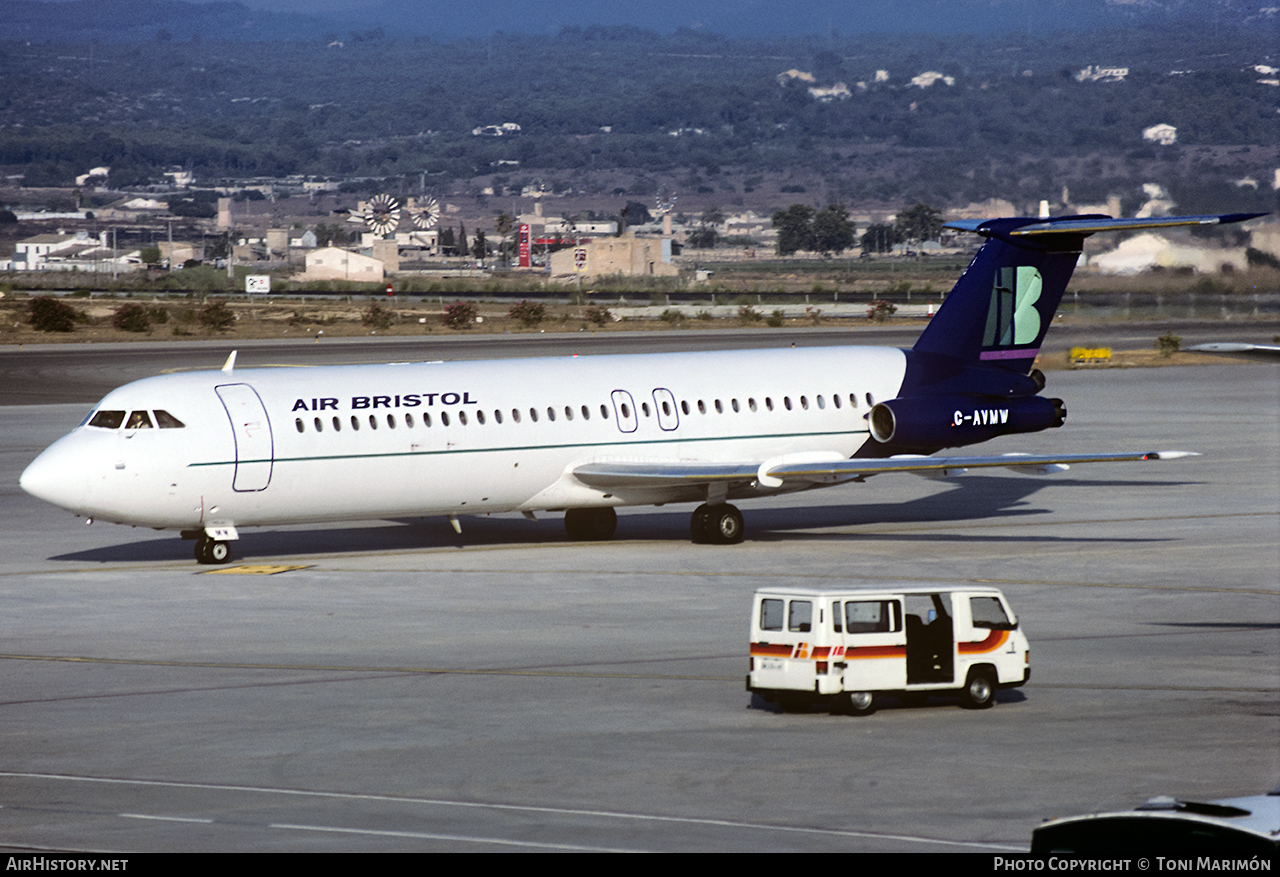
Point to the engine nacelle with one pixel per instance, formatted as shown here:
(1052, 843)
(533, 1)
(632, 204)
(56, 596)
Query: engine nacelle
(932, 422)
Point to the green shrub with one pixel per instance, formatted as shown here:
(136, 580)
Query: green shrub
(597, 315)
(748, 314)
(1168, 344)
(881, 310)
(459, 315)
(217, 317)
(50, 315)
(674, 316)
(777, 319)
(131, 318)
(378, 317)
(528, 313)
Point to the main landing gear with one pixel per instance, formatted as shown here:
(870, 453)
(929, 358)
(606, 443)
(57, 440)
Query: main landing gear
(212, 550)
(711, 524)
(591, 525)
(719, 524)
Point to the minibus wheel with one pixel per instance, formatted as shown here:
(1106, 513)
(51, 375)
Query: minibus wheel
(979, 690)
(856, 703)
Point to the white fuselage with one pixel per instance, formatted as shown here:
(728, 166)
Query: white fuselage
(278, 446)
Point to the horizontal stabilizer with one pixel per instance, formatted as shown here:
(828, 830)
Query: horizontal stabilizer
(1093, 224)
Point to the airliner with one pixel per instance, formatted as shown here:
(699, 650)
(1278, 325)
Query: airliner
(210, 452)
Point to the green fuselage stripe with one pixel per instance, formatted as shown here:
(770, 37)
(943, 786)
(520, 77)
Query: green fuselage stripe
(517, 448)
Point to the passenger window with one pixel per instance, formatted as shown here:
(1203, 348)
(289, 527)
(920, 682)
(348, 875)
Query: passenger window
(462, 418)
(426, 420)
(391, 421)
(988, 613)
(497, 416)
(355, 424)
(771, 615)
(586, 413)
(733, 403)
(821, 403)
(373, 422)
(444, 418)
(319, 425)
(107, 419)
(139, 420)
(804, 402)
(480, 417)
(786, 402)
(165, 420)
(408, 420)
(604, 412)
(871, 616)
(719, 407)
(337, 425)
(551, 413)
(751, 403)
(515, 414)
(298, 423)
(800, 616)
(684, 406)
(644, 406)
(568, 412)
(768, 402)
(835, 399)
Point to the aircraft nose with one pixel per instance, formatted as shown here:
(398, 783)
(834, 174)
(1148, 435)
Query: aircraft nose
(55, 478)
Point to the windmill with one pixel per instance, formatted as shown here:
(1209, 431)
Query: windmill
(381, 214)
(426, 215)
(665, 203)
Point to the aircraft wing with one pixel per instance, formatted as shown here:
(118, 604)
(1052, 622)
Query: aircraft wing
(1236, 349)
(833, 468)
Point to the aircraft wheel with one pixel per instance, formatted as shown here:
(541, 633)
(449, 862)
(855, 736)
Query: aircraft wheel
(212, 550)
(698, 524)
(979, 690)
(724, 525)
(591, 524)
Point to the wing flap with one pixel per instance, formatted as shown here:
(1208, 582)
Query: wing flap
(616, 475)
(1032, 464)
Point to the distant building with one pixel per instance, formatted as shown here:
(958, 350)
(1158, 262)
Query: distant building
(626, 255)
(1164, 135)
(70, 252)
(1102, 74)
(335, 263)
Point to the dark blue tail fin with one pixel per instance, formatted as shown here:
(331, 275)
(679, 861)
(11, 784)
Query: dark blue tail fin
(1001, 307)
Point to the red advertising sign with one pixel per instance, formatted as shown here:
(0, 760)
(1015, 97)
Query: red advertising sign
(524, 245)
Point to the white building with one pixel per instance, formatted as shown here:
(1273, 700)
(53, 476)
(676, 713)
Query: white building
(335, 263)
(70, 252)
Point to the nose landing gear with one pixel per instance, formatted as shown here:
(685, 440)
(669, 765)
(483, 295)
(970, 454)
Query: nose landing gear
(212, 551)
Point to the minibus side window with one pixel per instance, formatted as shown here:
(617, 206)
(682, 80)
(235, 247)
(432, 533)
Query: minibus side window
(800, 618)
(871, 616)
(837, 618)
(771, 615)
(989, 614)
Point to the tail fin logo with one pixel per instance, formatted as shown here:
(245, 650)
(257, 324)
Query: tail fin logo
(1012, 318)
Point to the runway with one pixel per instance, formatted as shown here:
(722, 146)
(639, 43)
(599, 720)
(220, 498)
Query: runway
(391, 686)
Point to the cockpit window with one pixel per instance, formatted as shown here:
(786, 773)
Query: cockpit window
(107, 419)
(165, 420)
(139, 420)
